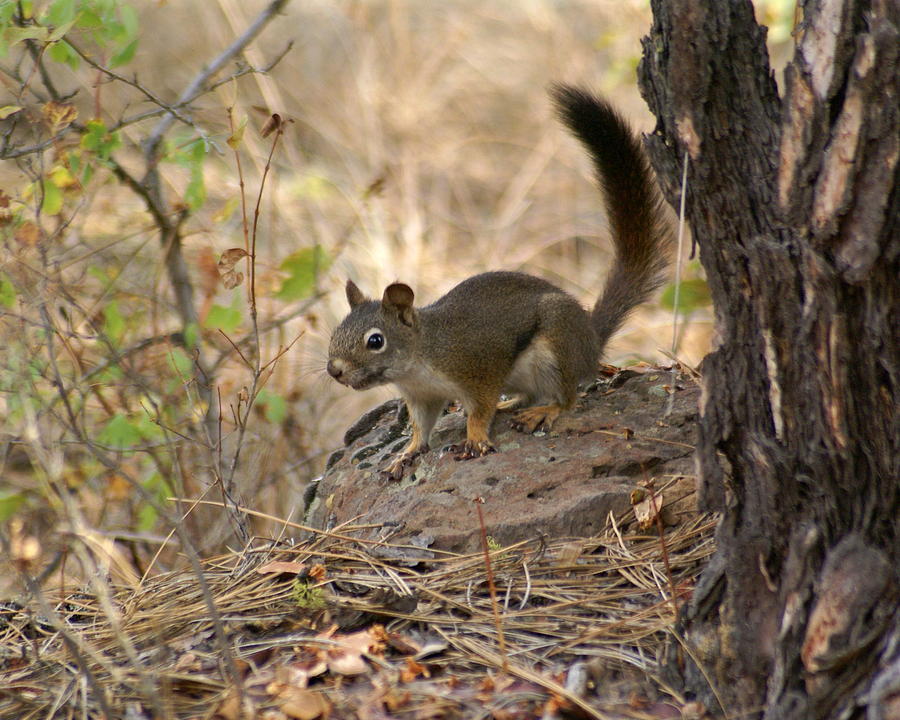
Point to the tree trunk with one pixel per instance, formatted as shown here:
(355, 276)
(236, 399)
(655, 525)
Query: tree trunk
(794, 204)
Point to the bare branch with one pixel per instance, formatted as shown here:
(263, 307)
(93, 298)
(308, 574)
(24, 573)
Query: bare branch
(197, 84)
(152, 97)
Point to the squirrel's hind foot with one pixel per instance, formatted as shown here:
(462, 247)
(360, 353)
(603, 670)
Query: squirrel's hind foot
(539, 417)
(469, 449)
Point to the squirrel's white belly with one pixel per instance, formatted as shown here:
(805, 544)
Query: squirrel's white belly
(535, 373)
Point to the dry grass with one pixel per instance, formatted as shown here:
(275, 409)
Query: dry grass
(605, 602)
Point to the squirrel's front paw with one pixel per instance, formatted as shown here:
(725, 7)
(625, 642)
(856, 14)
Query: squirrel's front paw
(470, 449)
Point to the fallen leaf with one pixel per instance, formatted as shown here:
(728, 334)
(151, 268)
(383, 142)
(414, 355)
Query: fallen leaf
(230, 707)
(317, 573)
(303, 704)
(413, 670)
(647, 510)
(569, 553)
(281, 566)
(187, 662)
(395, 699)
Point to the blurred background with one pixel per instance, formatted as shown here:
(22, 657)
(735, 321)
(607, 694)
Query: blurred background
(419, 146)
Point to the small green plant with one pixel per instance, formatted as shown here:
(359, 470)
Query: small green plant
(307, 594)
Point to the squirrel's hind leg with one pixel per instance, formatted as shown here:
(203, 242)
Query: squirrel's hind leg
(550, 368)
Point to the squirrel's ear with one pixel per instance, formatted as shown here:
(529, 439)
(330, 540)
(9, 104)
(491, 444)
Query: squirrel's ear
(399, 297)
(354, 295)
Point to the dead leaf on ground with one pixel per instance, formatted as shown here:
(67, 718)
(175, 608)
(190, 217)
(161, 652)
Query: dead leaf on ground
(230, 707)
(281, 566)
(303, 704)
(413, 670)
(646, 508)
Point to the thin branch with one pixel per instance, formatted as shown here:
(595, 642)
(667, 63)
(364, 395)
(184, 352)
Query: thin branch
(197, 84)
(239, 73)
(31, 149)
(132, 83)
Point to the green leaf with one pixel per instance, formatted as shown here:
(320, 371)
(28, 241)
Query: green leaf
(181, 363)
(7, 291)
(148, 429)
(302, 267)
(60, 31)
(97, 139)
(191, 334)
(195, 192)
(62, 52)
(694, 294)
(53, 198)
(113, 322)
(10, 502)
(156, 486)
(7, 10)
(129, 18)
(224, 318)
(274, 405)
(146, 517)
(90, 18)
(124, 55)
(193, 158)
(120, 432)
(14, 35)
(61, 12)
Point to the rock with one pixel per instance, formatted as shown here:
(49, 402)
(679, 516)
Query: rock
(623, 431)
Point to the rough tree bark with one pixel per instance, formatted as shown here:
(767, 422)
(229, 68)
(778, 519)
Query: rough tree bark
(794, 203)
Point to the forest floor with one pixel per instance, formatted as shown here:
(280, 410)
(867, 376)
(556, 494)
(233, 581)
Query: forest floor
(339, 627)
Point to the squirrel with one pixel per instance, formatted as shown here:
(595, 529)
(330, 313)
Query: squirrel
(508, 332)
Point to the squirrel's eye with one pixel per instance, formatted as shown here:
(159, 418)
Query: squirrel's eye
(375, 341)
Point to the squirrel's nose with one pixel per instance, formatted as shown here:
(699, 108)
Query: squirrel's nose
(334, 369)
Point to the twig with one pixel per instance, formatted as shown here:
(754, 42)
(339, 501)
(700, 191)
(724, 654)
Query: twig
(501, 639)
(132, 83)
(196, 85)
(239, 73)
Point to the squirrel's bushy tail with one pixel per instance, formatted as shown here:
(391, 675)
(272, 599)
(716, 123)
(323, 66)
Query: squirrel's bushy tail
(640, 232)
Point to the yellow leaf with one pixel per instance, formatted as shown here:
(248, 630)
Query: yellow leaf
(62, 178)
(8, 110)
(227, 210)
(58, 115)
(235, 140)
